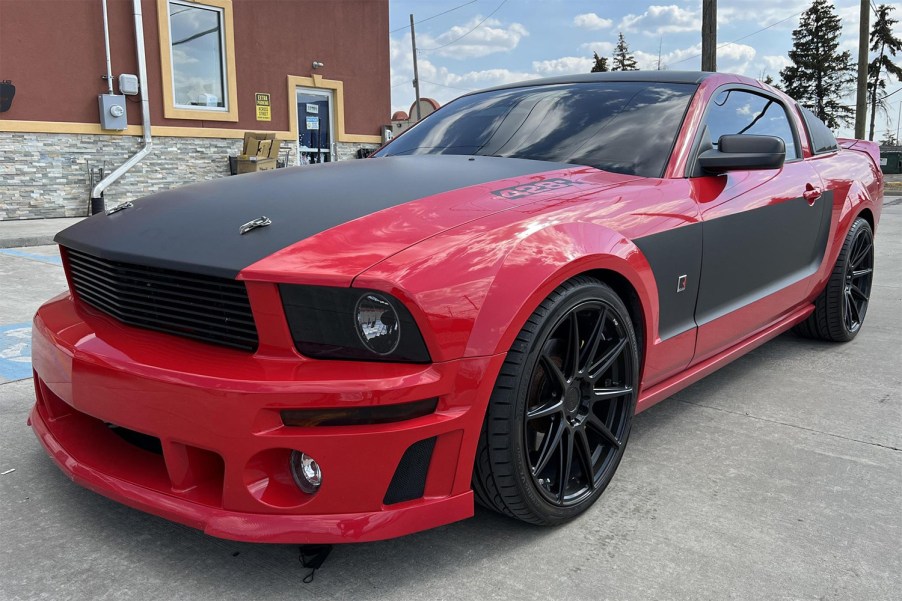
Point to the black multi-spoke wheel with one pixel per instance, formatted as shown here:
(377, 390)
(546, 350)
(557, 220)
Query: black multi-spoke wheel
(840, 309)
(560, 414)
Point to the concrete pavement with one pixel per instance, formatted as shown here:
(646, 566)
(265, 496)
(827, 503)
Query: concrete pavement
(32, 232)
(778, 477)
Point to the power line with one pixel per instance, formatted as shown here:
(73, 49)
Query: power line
(725, 44)
(441, 85)
(478, 25)
(433, 16)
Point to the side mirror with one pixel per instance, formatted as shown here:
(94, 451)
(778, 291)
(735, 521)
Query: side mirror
(742, 152)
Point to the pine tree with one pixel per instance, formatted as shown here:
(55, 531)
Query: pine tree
(885, 44)
(623, 59)
(820, 75)
(601, 64)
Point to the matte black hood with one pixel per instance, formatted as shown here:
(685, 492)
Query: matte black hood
(195, 228)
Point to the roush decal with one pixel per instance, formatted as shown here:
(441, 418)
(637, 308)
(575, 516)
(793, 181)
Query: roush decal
(524, 190)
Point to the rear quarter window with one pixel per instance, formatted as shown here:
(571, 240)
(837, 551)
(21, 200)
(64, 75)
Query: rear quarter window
(822, 139)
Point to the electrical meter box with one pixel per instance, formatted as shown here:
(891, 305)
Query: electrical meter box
(112, 112)
(128, 84)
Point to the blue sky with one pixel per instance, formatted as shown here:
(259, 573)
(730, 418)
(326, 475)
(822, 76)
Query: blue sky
(522, 39)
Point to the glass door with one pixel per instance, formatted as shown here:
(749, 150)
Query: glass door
(315, 127)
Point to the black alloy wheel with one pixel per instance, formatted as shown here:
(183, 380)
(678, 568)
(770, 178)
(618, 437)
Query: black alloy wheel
(560, 414)
(858, 278)
(839, 310)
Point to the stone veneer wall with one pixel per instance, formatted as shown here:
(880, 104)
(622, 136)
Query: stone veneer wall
(48, 175)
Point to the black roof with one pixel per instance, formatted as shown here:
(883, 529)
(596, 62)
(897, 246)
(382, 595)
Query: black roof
(693, 77)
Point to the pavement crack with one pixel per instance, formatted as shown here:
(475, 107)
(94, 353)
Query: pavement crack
(796, 426)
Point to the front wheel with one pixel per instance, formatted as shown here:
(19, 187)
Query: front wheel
(560, 413)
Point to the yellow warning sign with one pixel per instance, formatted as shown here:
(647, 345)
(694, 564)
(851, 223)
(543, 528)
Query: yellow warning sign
(264, 110)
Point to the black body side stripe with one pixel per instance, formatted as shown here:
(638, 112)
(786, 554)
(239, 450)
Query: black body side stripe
(735, 260)
(752, 254)
(671, 254)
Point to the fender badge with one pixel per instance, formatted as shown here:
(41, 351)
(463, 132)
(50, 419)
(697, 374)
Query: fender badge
(120, 207)
(252, 225)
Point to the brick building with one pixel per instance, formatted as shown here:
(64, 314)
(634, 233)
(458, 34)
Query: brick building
(313, 72)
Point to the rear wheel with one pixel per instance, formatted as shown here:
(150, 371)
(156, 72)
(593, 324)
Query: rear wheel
(840, 309)
(560, 413)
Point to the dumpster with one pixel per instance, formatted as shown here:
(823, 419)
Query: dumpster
(891, 159)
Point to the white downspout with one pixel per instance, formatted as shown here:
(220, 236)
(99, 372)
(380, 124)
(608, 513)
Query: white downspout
(106, 46)
(97, 192)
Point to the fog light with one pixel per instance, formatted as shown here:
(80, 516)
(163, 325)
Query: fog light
(306, 472)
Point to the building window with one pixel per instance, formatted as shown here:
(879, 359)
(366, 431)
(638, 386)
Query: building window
(198, 59)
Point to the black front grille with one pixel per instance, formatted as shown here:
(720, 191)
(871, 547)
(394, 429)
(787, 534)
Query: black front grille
(202, 307)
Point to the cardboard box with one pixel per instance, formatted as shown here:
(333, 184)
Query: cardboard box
(259, 152)
(253, 164)
(260, 145)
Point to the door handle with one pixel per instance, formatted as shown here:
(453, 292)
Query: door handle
(811, 193)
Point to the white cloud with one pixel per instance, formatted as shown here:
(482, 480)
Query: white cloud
(489, 38)
(731, 58)
(439, 82)
(657, 20)
(591, 21)
(602, 48)
(566, 65)
(775, 64)
(762, 12)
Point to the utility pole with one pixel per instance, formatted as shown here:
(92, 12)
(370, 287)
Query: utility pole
(709, 35)
(416, 73)
(861, 103)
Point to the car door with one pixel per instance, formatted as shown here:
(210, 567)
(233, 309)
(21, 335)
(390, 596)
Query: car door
(764, 231)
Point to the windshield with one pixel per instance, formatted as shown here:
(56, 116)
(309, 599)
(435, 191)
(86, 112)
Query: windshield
(624, 127)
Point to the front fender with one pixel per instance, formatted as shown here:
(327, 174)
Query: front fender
(472, 290)
(542, 261)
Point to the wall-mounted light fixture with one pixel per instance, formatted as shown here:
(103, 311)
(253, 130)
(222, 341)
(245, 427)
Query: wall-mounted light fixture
(7, 92)
(318, 65)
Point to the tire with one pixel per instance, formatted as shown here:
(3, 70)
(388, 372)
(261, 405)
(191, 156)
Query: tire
(567, 388)
(839, 310)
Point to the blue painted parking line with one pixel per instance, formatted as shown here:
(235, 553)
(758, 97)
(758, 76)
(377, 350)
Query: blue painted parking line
(51, 260)
(15, 352)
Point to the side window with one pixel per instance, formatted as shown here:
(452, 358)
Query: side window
(741, 112)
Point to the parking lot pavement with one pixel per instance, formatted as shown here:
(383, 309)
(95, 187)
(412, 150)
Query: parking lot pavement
(28, 277)
(778, 477)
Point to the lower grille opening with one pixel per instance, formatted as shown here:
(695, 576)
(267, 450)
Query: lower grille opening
(142, 441)
(119, 453)
(409, 481)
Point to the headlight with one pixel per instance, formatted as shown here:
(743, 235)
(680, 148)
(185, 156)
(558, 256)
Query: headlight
(348, 323)
(377, 323)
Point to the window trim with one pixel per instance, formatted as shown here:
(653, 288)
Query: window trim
(696, 143)
(170, 109)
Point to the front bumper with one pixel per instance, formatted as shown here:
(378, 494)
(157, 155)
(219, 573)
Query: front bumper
(222, 459)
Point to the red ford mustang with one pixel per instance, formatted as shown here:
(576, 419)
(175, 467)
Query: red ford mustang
(354, 351)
